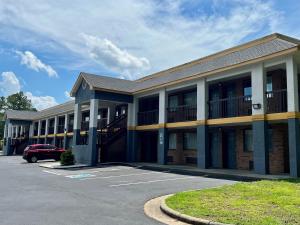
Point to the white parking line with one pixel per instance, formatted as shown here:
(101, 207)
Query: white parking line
(151, 181)
(51, 172)
(124, 175)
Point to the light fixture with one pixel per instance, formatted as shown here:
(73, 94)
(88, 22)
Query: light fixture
(256, 106)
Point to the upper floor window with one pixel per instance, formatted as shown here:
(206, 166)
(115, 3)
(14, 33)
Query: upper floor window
(269, 84)
(173, 101)
(190, 98)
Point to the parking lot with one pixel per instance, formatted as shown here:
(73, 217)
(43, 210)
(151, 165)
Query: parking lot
(111, 194)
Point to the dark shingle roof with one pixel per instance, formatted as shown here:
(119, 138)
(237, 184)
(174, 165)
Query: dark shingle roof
(20, 115)
(266, 46)
(30, 115)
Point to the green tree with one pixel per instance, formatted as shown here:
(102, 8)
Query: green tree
(17, 101)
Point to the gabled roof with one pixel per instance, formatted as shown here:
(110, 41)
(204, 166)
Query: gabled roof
(260, 49)
(31, 115)
(20, 115)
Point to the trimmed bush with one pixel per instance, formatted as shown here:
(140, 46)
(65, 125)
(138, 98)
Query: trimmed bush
(67, 158)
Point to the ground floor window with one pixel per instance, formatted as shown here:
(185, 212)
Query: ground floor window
(172, 140)
(248, 140)
(189, 140)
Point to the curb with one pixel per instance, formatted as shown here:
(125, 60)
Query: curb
(185, 218)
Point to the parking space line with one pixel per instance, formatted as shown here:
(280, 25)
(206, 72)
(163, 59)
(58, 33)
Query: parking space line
(51, 172)
(151, 181)
(123, 175)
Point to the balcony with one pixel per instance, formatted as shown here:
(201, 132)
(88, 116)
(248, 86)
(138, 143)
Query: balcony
(230, 107)
(85, 126)
(182, 113)
(60, 129)
(148, 117)
(277, 101)
(101, 123)
(43, 131)
(51, 130)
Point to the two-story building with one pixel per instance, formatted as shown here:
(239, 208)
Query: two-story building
(235, 109)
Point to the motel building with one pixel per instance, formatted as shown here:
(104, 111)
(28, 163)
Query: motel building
(236, 109)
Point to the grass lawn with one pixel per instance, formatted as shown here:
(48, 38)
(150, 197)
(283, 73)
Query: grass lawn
(255, 203)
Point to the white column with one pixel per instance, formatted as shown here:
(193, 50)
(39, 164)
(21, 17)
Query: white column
(17, 131)
(55, 124)
(132, 113)
(21, 130)
(31, 130)
(66, 123)
(94, 105)
(292, 85)
(39, 128)
(111, 112)
(258, 81)
(5, 131)
(202, 97)
(47, 126)
(163, 103)
(9, 130)
(77, 117)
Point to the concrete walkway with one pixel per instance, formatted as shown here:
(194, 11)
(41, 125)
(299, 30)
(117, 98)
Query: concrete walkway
(241, 175)
(56, 165)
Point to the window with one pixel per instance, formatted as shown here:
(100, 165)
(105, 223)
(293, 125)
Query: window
(172, 140)
(173, 101)
(190, 98)
(190, 141)
(248, 140)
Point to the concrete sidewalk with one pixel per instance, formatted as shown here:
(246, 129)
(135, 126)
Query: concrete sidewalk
(240, 175)
(56, 165)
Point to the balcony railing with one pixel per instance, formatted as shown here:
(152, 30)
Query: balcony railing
(70, 127)
(277, 101)
(230, 107)
(101, 123)
(85, 125)
(43, 131)
(182, 113)
(60, 129)
(51, 130)
(148, 117)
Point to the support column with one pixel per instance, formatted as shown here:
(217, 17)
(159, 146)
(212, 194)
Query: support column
(55, 129)
(293, 121)
(259, 125)
(131, 155)
(163, 137)
(202, 129)
(111, 112)
(7, 148)
(77, 124)
(21, 130)
(17, 131)
(31, 133)
(39, 131)
(66, 131)
(92, 146)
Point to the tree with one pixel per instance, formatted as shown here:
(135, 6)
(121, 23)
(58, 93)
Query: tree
(17, 101)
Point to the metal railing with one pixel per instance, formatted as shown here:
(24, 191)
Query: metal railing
(230, 107)
(182, 113)
(277, 101)
(148, 117)
(101, 123)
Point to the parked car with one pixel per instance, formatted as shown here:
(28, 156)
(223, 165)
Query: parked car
(33, 153)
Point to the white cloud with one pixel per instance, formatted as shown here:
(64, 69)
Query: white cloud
(67, 95)
(9, 83)
(41, 102)
(32, 62)
(126, 35)
(111, 56)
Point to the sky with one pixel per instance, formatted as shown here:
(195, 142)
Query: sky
(45, 44)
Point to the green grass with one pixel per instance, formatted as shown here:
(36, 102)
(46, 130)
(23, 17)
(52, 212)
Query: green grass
(256, 203)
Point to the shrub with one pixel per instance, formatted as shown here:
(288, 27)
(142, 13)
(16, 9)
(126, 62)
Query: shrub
(67, 158)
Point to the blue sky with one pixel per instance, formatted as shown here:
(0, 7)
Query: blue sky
(45, 44)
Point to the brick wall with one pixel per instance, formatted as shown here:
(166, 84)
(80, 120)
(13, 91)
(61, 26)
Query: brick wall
(277, 156)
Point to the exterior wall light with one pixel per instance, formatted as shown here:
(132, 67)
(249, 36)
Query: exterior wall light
(256, 106)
